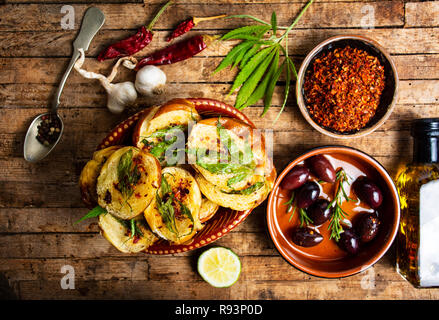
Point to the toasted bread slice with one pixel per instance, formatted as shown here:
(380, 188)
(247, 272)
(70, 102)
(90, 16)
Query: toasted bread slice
(89, 175)
(235, 201)
(128, 182)
(173, 224)
(220, 135)
(118, 233)
(159, 129)
(207, 210)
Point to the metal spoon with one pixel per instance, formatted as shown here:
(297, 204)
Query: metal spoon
(33, 149)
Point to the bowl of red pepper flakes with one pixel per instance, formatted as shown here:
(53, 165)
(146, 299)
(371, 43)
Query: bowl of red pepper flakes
(347, 86)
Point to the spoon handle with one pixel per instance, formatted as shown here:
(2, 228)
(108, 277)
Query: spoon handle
(56, 101)
(91, 23)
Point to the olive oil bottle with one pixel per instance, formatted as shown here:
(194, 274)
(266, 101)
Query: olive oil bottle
(418, 186)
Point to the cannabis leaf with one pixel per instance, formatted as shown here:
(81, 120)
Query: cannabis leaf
(257, 57)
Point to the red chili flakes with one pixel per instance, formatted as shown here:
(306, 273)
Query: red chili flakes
(343, 89)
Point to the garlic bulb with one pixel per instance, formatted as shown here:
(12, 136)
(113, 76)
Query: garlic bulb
(119, 94)
(150, 80)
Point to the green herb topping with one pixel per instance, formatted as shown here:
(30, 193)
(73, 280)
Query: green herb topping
(158, 142)
(239, 163)
(128, 174)
(248, 190)
(168, 204)
(93, 213)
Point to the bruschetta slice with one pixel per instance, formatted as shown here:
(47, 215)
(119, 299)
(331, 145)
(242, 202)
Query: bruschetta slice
(89, 175)
(228, 153)
(174, 212)
(165, 128)
(128, 236)
(128, 182)
(207, 210)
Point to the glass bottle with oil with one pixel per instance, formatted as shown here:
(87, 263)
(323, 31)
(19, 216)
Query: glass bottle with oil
(418, 186)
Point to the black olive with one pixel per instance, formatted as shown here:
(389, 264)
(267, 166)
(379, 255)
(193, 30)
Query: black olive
(295, 178)
(367, 226)
(306, 237)
(319, 212)
(321, 166)
(308, 194)
(367, 191)
(349, 242)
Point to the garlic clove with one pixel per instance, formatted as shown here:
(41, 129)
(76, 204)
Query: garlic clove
(150, 80)
(120, 95)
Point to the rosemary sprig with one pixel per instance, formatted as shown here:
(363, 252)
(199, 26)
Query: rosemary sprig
(303, 217)
(338, 213)
(258, 59)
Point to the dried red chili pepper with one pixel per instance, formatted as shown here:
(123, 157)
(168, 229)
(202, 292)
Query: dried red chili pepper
(188, 24)
(177, 52)
(134, 43)
(128, 46)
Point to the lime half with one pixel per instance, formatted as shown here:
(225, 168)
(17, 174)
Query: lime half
(220, 267)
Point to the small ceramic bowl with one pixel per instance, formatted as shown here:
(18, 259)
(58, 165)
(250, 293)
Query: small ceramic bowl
(388, 97)
(327, 259)
(225, 219)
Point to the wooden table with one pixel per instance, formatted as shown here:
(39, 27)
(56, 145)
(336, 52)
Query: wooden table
(39, 202)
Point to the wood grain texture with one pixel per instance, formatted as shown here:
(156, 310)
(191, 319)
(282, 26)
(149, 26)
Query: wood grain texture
(58, 43)
(131, 16)
(39, 203)
(198, 69)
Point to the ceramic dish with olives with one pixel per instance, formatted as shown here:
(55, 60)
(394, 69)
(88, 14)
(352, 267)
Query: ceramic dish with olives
(333, 212)
(319, 195)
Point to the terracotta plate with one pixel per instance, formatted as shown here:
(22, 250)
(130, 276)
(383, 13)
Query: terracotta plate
(225, 219)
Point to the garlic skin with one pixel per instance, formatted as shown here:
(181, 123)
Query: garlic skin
(120, 95)
(150, 80)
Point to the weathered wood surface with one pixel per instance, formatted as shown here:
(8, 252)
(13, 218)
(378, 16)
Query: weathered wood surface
(39, 202)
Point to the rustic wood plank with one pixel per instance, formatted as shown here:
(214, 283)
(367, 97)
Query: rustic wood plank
(53, 220)
(130, 16)
(422, 14)
(125, 268)
(82, 245)
(48, 71)
(169, 268)
(59, 44)
(223, 2)
(290, 290)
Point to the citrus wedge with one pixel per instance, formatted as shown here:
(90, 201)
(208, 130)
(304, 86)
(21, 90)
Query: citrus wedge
(220, 267)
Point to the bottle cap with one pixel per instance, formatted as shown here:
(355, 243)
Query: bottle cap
(428, 127)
